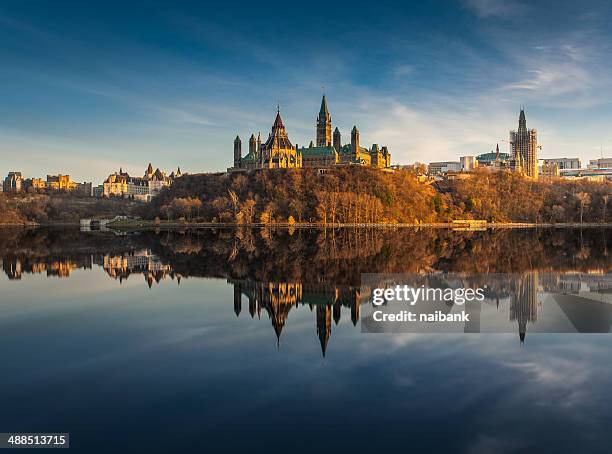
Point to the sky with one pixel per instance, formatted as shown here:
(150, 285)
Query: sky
(88, 87)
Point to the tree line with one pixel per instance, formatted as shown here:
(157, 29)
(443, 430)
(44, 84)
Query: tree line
(362, 195)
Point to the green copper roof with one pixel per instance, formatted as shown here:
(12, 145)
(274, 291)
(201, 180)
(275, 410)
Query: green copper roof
(249, 157)
(317, 151)
(347, 149)
(490, 157)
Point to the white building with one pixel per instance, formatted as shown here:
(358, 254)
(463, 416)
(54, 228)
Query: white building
(600, 164)
(442, 167)
(563, 163)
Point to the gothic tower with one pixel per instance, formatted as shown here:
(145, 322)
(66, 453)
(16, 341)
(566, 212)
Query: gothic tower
(324, 126)
(337, 140)
(237, 151)
(355, 142)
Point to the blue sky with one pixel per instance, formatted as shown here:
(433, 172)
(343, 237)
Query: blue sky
(87, 87)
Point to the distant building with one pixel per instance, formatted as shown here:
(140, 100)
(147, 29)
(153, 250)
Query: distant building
(143, 188)
(98, 191)
(278, 151)
(57, 183)
(36, 183)
(549, 169)
(564, 163)
(600, 164)
(524, 146)
(13, 182)
(443, 167)
(588, 174)
(468, 163)
(493, 159)
(60, 183)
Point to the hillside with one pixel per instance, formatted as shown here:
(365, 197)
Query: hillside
(364, 195)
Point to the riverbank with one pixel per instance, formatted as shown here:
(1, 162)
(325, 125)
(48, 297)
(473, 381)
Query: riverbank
(144, 224)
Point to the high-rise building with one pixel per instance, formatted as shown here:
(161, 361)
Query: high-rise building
(524, 149)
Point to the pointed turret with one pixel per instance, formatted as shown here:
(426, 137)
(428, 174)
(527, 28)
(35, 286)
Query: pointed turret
(337, 140)
(355, 142)
(237, 151)
(149, 169)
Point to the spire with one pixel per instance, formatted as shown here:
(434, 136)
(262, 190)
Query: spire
(323, 112)
(522, 120)
(278, 122)
(150, 169)
(324, 126)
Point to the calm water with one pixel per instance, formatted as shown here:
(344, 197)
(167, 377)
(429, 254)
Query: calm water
(221, 340)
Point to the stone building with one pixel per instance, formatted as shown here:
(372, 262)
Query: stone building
(121, 184)
(279, 152)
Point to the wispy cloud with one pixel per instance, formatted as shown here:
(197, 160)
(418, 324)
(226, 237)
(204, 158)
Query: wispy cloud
(488, 8)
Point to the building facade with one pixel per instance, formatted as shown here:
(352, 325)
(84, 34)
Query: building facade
(524, 149)
(564, 163)
(600, 164)
(443, 167)
(468, 163)
(121, 184)
(13, 182)
(279, 152)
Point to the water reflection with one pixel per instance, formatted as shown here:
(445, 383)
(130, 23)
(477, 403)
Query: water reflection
(275, 272)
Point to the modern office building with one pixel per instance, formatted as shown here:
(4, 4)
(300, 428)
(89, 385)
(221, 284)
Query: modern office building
(600, 164)
(564, 163)
(443, 167)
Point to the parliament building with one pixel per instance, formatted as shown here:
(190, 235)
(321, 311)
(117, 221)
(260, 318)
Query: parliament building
(278, 151)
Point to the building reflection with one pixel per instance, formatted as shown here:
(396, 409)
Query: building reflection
(524, 301)
(274, 273)
(14, 267)
(142, 261)
(277, 299)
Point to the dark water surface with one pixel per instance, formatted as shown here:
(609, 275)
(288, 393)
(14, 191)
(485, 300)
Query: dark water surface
(221, 340)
